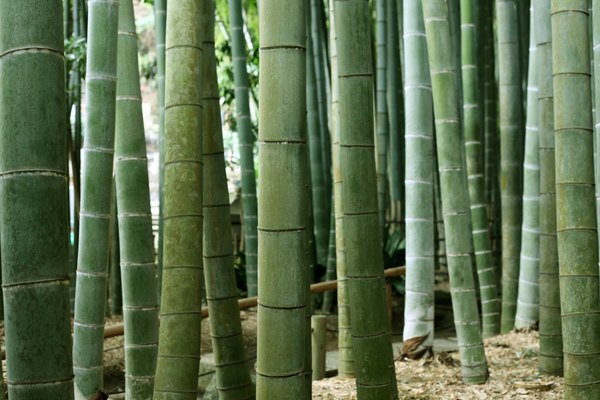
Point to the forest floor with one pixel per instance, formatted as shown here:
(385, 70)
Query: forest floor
(512, 360)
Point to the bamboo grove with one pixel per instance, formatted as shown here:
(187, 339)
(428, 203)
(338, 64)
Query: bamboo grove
(455, 138)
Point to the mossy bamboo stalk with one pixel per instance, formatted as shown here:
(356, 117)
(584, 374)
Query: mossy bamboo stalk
(575, 202)
(346, 355)
(96, 196)
(180, 305)
(371, 339)
(160, 21)
(233, 375)
(395, 104)
(551, 347)
(527, 315)
(511, 140)
(283, 207)
(420, 238)
(488, 282)
(33, 193)
(454, 192)
(138, 267)
(318, 191)
(381, 117)
(244, 128)
(318, 36)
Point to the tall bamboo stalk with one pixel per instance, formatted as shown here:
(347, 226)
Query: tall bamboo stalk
(160, 21)
(455, 201)
(138, 268)
(244, 128)
(527, 315)
(179, 331)
(283, 206)
(511, 140)
(551, 347)
(381, 116)
(488, 283)
(575, 202)
(420, 244)
(346, 355)
(33, 193)
(375, 377)
(96, 196)
(233, 375)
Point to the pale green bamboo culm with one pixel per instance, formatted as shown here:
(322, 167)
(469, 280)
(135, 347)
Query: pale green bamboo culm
(180, 306)
(283, 206)
(96, 196)
(575, 199)
(486, 273)
(527, 315)
(138, 268)
(244, 128)
(420, 240)
(551, 348)
(371, 339)
(346, 356)
(33, 193)
(511, 155)
(233, 375)
(454, 192)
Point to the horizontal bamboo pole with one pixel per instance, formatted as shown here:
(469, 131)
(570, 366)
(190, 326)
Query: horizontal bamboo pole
(249, 302)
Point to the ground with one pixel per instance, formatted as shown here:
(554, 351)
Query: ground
(512, 359)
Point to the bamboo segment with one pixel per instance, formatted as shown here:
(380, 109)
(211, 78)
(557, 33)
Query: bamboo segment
(330, 271)
(455, 201)
(346, 356)
(283, 273)
(420, 244)
(486, 273)
(375, 376)
(96, 193)
(233, 375)
(319, 324)
(575, 202)
(511, 140)
(179, 332)
(551, 347)
(138, 268)
(244, 127)
(116, 292)
(33, 193)
(381, 115)
(527, 315)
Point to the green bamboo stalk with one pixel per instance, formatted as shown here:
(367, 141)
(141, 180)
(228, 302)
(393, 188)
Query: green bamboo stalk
(488, 282)
(233, 375)
(455, 201)
(318, 37)
(116, 292)
(575, 202)
(160, 21)
(527, 315)
(318, 190)
(596, 97)
(244, 127)
(283, 207)
(395, 104)
(179, 331)
(381, 116)
(511, 132)
(33, 193)
(138, 268)
(371, 339)
(96, 189)
(420, 245)
(346, 355)
(330, 272)
(551, 346)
